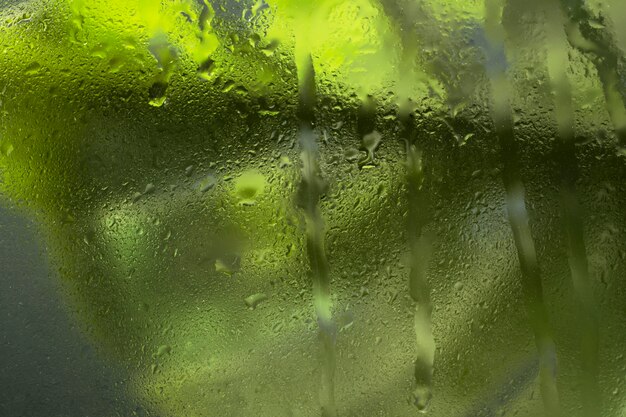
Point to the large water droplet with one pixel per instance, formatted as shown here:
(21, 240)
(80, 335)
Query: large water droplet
(254, 300)
(249, 186)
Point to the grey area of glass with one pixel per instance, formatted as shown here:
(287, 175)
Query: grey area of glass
(47, 367)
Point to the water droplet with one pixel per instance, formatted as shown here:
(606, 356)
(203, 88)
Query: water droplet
(163, 350)
(249, 186)
(371, 141)
(284, 162)
(269, 49)
(206, 183)
(157, 94)
(595, 24)
(149, 189)
(227, 265)
(33, 68)
(254, 300)
(206, 69)
(115, 64)
(421, 398)
(352, 154)
(465, 139)
(6, 149)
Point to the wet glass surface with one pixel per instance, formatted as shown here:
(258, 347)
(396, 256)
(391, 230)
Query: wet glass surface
(316, 208)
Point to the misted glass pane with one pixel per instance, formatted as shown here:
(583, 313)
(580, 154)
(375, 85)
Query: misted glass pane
(298, 208)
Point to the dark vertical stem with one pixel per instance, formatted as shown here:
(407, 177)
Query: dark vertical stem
(312, 187)
(570, 207)
(406, 14)
(518, 215)
(420, 246)
(596, 44)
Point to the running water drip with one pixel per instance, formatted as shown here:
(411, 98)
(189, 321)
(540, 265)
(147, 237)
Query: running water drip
(570, 206)
(406, 15)
(312, 186)
(419, 288)
(516, 209)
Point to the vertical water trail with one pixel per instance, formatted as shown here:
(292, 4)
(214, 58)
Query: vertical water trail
(406, 15)
(311, 188)
(419, 288)
(516, 209)
(570, 206)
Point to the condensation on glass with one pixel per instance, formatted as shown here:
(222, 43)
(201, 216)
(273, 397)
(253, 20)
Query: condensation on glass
(331, 208)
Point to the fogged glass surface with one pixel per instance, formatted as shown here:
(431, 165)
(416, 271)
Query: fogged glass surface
(327, 208)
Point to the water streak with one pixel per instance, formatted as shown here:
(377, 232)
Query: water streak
(517, 213)
(570, 206)
(406, 16)
(312, 187)
(419, 288)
